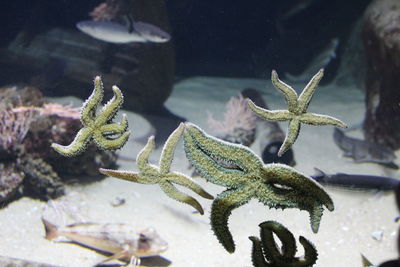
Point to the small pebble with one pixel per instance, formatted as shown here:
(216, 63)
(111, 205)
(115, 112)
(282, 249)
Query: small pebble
(378, 235)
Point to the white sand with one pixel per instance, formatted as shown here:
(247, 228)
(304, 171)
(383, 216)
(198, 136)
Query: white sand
(343, 235)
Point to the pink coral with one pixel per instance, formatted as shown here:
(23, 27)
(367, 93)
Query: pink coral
(52, 109)
(105, 11)
(237, 116)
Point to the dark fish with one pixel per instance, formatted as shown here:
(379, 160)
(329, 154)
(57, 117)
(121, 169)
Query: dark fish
(356, 181)
(364, 151)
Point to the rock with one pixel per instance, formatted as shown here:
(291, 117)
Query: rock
(381, 38)
(28, 164)
(62, 61)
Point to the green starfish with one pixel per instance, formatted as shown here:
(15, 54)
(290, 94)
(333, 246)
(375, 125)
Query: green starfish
(246, 176)
(150, 174)
(297, 107)
(107, 135)
(266, 252)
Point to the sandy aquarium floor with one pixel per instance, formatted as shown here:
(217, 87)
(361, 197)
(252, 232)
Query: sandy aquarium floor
(344, 234)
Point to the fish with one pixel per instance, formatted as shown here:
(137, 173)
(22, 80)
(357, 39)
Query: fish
(121, 240)
(364, 151)
(112, 32)
(356, 181)
(321, 60)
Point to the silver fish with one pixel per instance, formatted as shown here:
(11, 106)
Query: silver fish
(124, 242)
(120, 34)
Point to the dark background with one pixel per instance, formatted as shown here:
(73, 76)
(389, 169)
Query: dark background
(219, 38)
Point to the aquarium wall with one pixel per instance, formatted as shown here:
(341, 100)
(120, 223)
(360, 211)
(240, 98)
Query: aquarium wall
(187, 133)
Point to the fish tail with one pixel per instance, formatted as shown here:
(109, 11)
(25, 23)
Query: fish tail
(51, 229)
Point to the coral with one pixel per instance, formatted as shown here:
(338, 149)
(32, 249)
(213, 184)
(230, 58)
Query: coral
(103, 12)
(239, 123)
(297, 110)
(99, 128)
(28, 165)
(163, 176)
(245, 176)
(14, 127)
(266, 252)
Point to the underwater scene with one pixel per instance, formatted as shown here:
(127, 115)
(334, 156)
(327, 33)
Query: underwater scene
(200, 133)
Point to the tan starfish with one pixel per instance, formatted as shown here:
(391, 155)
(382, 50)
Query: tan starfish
(163, 176)
(247, 177)
(266, 252)
(297, 110)
(98, 127)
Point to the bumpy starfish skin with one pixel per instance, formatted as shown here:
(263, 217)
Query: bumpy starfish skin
(297, 110)
(150, 174)
(267, 254)
(245, 176)
(100, 129)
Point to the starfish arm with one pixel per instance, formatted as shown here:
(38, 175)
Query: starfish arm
(291, 136)
(318, 119)
(77, 146)
(310, 253)
(271, 115)
(110, 109)
(272, 251)
(257, 256)
(112, 128)
(88, 109)
(220, 162)
(125, 175)
(308, 92)
(174, 193)
(221, 208)
(183, 180)
(284, 187)
(106, 143)
(168, 150)
(142, 159)
(289, 93)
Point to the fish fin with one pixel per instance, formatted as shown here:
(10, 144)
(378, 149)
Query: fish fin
(319, 172)
(51, 229)
(124, 254)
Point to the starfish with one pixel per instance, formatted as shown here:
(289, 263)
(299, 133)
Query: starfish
(99, 128)
(150, 174)
(246, 177)
(267, 254)
(297, 110)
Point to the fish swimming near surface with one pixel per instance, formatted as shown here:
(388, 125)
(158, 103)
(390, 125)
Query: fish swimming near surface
(124, 242)
(364, 151)
(112, 32)
(321, 60)
(356, 181)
